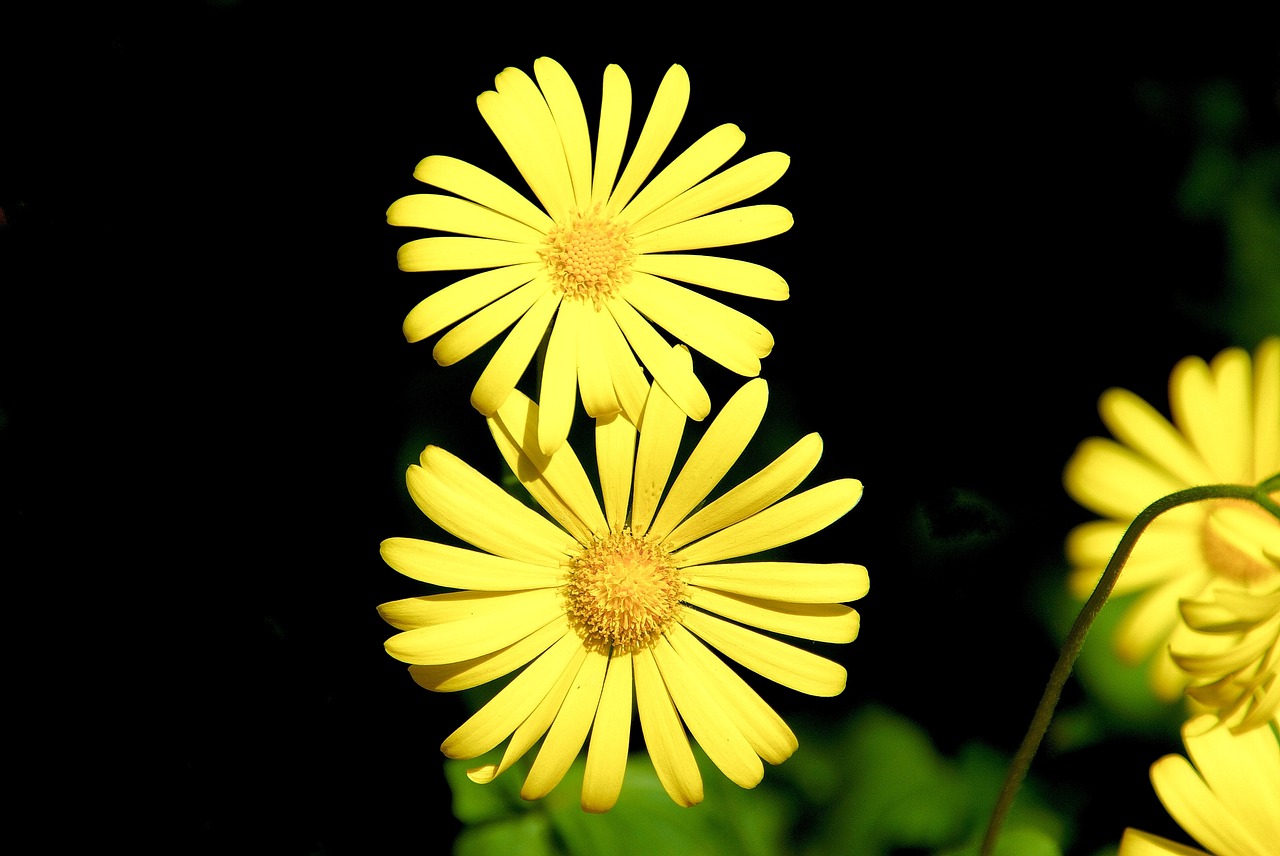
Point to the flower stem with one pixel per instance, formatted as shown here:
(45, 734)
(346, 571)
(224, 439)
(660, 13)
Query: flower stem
(1075, 638)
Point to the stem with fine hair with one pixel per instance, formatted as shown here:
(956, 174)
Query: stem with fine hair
(1075, 638)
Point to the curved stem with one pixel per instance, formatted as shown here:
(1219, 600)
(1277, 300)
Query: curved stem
(1075, 638)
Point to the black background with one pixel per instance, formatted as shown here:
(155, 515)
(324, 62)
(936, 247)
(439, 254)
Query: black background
(207, 400)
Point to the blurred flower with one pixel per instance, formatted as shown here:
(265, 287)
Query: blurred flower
(1225, 429)
(625, 594)
(600, 254)
(1229, 801)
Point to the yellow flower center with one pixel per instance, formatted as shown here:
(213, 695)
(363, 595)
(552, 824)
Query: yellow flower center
(1232, 536)
(589, 257)
(623, 591)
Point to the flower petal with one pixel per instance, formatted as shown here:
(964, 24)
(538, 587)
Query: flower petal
(456, 567)
(1136, 843)
(411, 613)
(451, 253)
(513, 355)
(519, 117)
(491, 627)
(558, 390)
(722, 229)
(1243, 772)
(595, 381)
(465, 674)
(662, 427)
(730, 275)
(785, 664)
(481, 187)
(629, 382)
(1159, 555)
(1113, 480)
(676, 377)
(611, 137)
(615, 458)
(460, 216)
(610, 738)
(1140, 426)
(738, 182)
(659, 127)
(569, 730)
(782, 523)
(571, 121)
(482, 327)
(664, 736)
(1266, 409)
(458, 300)
(798, 582)
(821, 622)
(1210, 407)
(705, 156)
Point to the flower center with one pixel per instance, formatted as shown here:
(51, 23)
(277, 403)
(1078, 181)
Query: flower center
(589, 257)
(1232, 536)
(623, 591)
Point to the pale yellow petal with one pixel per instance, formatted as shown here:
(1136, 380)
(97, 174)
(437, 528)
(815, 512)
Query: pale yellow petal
(569, 730)
(661, 430)
(1140, 426)
(821, 622)
(411, 613)
(1149, 619)
(513, 355)
(615, 119)
(519, 117)
(731, 338)
(1243, 772)
(1159, 554)
(485, 325)
(571, 121)
(767, 733)
(466, 504)
(664, 736)
(1266, 409)
(450, 253)
(615, 457)
(469, 181)
(1206, 407)
(735, 184)
(1136, 843)
(465, 674)
(707, 721)
(676, 377)
(595, 381)
(781, 663)
(718, 450)
(760, 491)
(1113, 480)
(1205, 819)
(659, 127)
(456, 567)
(705, 156)
(730, 275)
(460, 216)
(558, 483)
(492, 626)
(610, 738)
(782, 523)
(558, 390)
(721, 229)
(629, 382)
(798, 582)
(458, 300)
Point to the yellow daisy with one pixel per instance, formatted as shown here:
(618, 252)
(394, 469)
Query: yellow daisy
(1225, 429)
(624, 595)
(1227, 797)
(595, 264)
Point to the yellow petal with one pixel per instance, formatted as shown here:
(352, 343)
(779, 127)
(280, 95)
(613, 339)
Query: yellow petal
(458, 300)
(456, 567)
(451, 253)
(513, 355)
(659, 127)
(410, 613)
(798, 582)
(1136, 843)
(731, 275)
(481, 187)
(1159, 554)
(610, 738)
(691, 166)
(571, 121)
(785, 664)
(1266, 409)
(821, 622)
(496, 626)
(519, 117)
(760, 491)
(629, 382)
(465, 674)
(1206, 405)
(595, 381)
(676, 377)
(611, 139)
(466, 504)
(558, 393)
(1140, 426)
(735, 184)
(782, 523)
(615, 458)
(1113, 480)
(569, 730)
(451, 214)
(721, 229)
(664, 736)
(1243, 772)
(734, 340)
(718, 450)
(661, 429)
(485, 325)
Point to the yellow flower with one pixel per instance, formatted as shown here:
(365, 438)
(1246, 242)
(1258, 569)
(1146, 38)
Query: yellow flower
(595, 263)
(625, 595)
(1225, 429)
(1229, 801)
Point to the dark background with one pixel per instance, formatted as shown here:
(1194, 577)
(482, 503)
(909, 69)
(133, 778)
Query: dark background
(207, 403)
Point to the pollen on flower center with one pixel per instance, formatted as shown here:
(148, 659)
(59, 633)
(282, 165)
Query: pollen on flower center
(1225, 550)
(589, 257)
(623, 591)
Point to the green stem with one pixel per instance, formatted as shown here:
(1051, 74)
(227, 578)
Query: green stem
(1075, 638)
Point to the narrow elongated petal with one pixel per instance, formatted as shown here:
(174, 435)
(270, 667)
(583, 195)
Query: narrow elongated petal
(410, 613)
(735, 184)
(659, 127)
(569, 730)
(463, 254)
(465, 674)
(485, 632)
(676, 377)
(485, 325)
(1135, 842)
(629, 382)
(513, 355)
(1266, 409)
(707, 721)
(718, 450)
(558, 395)
(731, 338)
(456, 567)
(519, 117)
(481, 187)
(1140, 426)
(785, 664)
(1159, 554)
(1206, 406)
(661, 430)
(466, 504)
(571, 121)
(595, 380)
(821, 622)
(760, 491)
(790, 520)
(458, 300)
(691, 166)
(795, 581)
(610, 738)
(615, 457)
(1113, 480)
(721, 229)
(730, 275)
(615, 120)
(460, 216)
(664, 736)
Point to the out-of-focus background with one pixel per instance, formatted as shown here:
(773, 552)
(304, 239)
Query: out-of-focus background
(206, 403)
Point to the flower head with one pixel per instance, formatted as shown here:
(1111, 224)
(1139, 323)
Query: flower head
(595, 264)
(1226, 797)
(1225, 429)
(629, 594)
